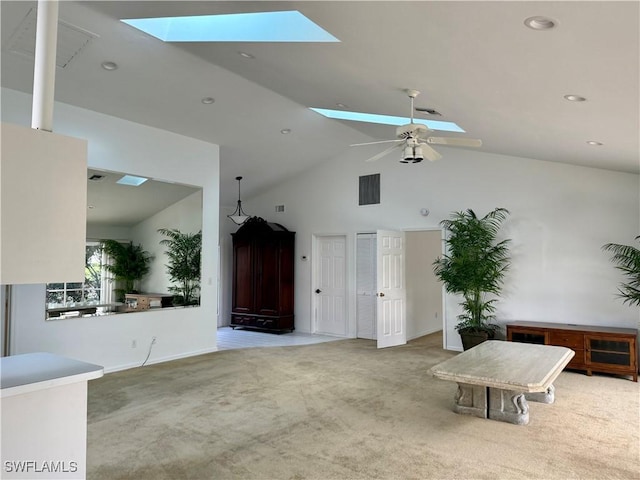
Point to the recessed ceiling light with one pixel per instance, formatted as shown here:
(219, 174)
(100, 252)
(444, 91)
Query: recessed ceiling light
(594, 143)
(245, 55)
(208, 100)
(109, 66)
(540, 23)
(574, 98)
(285, 131)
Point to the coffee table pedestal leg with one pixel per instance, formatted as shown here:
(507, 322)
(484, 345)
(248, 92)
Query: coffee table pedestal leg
(543, 397)
(497, 404)
(471, 400)
(508, 406)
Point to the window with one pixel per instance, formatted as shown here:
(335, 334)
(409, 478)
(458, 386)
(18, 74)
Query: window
(67, 297)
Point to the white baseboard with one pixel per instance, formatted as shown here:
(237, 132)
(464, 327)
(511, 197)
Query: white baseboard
(425, 332)
(168, 358)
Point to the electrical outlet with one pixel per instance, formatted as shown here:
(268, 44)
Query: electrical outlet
(134, 344)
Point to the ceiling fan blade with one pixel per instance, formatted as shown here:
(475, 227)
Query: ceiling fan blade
(456, 142)
(373, 143)
(429, 153)
(382, 154)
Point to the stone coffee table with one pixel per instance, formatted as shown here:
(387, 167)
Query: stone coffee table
(496, 378)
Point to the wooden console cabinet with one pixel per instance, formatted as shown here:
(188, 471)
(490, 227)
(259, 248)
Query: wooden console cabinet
(598, 349)
(263, 265)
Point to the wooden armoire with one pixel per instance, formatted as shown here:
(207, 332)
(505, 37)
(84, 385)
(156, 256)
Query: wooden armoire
(263, 264)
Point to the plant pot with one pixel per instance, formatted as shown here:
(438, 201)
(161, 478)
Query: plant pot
(471, 339)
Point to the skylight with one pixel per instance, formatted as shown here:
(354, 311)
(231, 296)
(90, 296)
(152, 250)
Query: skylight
(132, 180)
(287, 26)
(387, 119)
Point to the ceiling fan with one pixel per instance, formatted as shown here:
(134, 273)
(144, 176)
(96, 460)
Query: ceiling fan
(415, 142)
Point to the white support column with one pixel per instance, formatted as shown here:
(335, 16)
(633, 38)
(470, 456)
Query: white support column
(44, 71)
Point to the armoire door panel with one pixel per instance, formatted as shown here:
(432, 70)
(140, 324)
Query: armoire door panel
(268, 285)
(286, 276)
(243, 278)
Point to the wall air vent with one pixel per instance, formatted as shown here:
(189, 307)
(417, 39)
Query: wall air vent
(71, 40)
(279, 208)
(369, 191)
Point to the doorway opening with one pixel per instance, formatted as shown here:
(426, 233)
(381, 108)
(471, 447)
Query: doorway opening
(424, 303)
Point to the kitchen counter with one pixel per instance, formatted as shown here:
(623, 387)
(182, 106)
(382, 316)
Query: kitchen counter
(43, 397)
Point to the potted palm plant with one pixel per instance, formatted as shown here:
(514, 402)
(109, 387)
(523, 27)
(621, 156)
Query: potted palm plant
(627, 260)
(474, 267)
(184, 252)
(129, 264)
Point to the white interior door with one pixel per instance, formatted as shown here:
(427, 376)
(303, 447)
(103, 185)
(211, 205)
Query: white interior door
(330, 290)
(392, 294)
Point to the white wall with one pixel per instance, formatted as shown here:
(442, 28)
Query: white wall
(112, 232)
(561, 215)
(119, 145)
(227, 227)
(186, 216)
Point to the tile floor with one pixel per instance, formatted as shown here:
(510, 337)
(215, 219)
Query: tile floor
(229, 338)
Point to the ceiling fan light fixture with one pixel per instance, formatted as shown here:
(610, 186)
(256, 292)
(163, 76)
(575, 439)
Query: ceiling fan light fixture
(407, 153)
(238, 216)
(413, 140)
(417, 155)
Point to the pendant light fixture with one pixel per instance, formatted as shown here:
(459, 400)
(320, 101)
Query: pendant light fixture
(238, 216)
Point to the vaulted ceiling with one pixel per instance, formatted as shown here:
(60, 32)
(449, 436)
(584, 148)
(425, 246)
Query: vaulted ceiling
(474, 62)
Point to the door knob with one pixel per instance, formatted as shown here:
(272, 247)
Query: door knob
(381, 294)
(318, 290)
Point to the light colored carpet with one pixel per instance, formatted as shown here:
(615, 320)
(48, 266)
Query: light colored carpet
(345, 410)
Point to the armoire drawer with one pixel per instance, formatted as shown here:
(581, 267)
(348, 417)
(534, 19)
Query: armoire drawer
(264, 322)
(242, 320)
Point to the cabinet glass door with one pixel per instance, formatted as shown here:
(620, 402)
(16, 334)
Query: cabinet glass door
(608, 352)
(524, 336)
